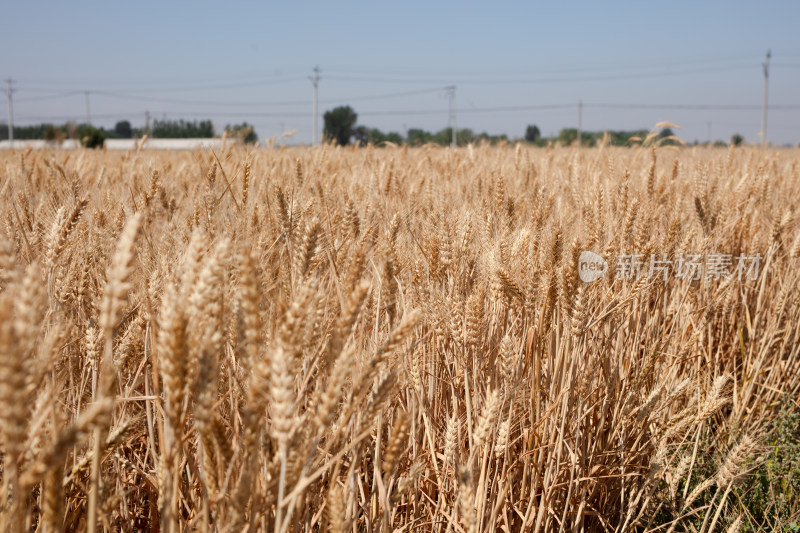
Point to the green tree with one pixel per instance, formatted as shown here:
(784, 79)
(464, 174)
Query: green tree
(243, 132)
(532, 133)
(53, 134)
(665, 137)
(340, 124)
(182, 129)
(361, 135)
(364, 135)
(375, 136)
(91, 137)
(418, 137)
(567, 136)
(394, 137)
(123, 129)
(737, 140)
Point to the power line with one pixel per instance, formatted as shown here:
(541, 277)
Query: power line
(10, 93)
(77, 116)
(193, 82)
(518, 81)
(124, 96)
(413, 112)
(385, 96)
(127, 114)
(407, 80)
(199, 85)
(382, 96)
(650, 65)
(49, 97)
(719, 107)
(471, 110)
(280, 75)
(186, 88)
(254, 103)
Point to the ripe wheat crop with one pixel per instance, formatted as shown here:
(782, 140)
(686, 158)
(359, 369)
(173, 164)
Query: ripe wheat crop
(335, 339)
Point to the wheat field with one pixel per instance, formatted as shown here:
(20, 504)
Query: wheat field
(339, 339)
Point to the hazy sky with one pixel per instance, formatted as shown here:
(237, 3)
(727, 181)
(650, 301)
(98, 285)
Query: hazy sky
(235, 61)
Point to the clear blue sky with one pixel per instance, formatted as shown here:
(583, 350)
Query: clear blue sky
(235, 61)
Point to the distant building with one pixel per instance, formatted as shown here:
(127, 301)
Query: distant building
(167, 144)
(24, 144)
(122, 144)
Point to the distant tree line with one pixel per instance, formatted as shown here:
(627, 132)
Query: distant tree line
(568, 136)
(93, 137)
(181, 129)
(340, 126)
(87, 133)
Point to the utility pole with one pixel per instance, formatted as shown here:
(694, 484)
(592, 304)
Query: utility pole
(764, 109)
(315, 82)
(147, 122)
(580, 118)
(10, 113)
(709, 133)
(451, 90)
(88, 113)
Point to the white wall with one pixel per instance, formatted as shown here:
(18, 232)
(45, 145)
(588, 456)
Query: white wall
(69, 144)
(167, 144)
(123, 144)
